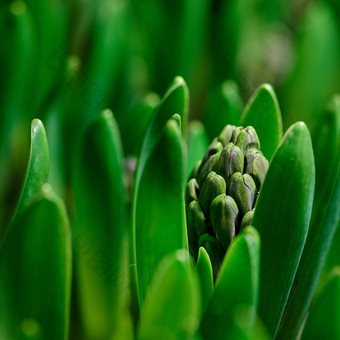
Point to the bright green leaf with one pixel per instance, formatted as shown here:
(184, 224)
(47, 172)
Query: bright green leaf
(205, 273)
(37, 168)
(263, 113)
(282, 216)
(172, 307)
(236, 285)
(159, 217)
(324, 221)
(35, 271)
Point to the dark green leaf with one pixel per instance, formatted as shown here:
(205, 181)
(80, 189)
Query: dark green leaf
(172, 306)
(197, 144)
(236, 285)
(100, 228)
(323, 319)
(35, 271)
(282, 216)
(37, 168)
(263, 113)
(224, 107)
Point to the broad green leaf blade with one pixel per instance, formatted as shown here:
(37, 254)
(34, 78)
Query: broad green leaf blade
(99, 232)
(323, 319)
(176, 100)
(197, 144)
(282, 216)
(172, 307)
(134, 122)
(159, 217)
(205, 274)
(35, 271)
(236, 285)
(224, 107)
(37, 168)
(324, 221)
(263, 113)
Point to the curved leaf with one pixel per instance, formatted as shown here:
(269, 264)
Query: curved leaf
(324, 221)
(37, 168)
(99, 232)
(282, 216)
(323, 319)
(159, 216)
(234, 287)
(224, 107)
(197, 144)
(205, 273)
(35, 271)
(172, 307)
(263, 113)
(158, 202)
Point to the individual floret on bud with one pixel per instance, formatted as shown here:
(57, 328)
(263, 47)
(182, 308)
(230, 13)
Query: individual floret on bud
(231, 161)
(210, 160)
(214, 251)
(223, 216)
(246, 220)
(192, 191)
(246, 138)
(196, 225)
(225, 135)
(213, 186)
(243, 189)
(256, 165)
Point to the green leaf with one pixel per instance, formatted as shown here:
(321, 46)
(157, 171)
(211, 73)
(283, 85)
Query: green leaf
(158, 202)
(37, 167)
(263, 113)
(323, 319)
(172, 307)
(205, 273)
(324, 221)
(282, 216)
(234, 287)
(35, 271)
(159, 216)
(224, 107)
(100, 228)
(197, 144)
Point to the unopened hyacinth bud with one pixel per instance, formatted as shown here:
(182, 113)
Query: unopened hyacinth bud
(222, 190)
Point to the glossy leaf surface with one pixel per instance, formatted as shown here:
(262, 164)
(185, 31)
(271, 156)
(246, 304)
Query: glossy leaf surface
(234, 287)
(282, 216)
(263, 113)
(35, 270)
(172, 306)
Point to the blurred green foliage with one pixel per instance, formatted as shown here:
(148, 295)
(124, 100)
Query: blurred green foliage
(64, 61)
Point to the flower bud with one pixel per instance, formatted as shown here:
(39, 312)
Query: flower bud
(243, 189)
(223, 216)
(231, 161)
(213, 186)
(246, 220)
(256, 165)
(226, 134)
(191, 191)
